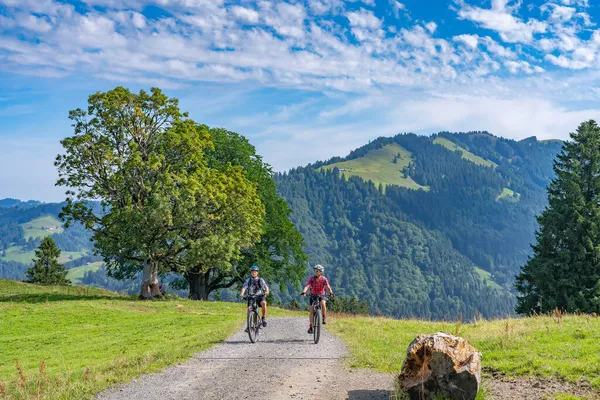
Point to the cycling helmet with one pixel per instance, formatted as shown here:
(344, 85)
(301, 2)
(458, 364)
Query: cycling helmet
(319, 267)
(254, 268)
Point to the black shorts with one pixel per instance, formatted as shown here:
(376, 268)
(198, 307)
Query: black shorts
(315, 299)
(259, 300)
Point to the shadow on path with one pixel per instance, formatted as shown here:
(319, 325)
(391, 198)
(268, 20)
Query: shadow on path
(369, 395)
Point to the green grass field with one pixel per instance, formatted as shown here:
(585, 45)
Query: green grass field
(378, 166)
(15, 253)
(72, 342)
(483, 274)
(561, 347)
(77, 273)
(467, 155)
(35, 229)
(509, 195)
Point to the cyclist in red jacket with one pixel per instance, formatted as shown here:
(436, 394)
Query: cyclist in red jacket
(317, 285)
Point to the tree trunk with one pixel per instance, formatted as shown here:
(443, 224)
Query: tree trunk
(150, 288)
(199, 284)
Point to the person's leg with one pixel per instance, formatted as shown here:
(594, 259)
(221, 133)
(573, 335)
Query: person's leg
(264, 312)
(324, 307)
(310, 327)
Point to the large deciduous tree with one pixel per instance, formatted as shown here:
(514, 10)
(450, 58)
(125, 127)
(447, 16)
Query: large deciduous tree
(564, 271)
(161, 205)
(279, 251)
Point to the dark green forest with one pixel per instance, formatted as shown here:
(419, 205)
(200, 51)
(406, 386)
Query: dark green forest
(414, 252)
(405, 252)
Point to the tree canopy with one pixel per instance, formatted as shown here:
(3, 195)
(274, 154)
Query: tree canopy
(564, 271)
(161, 205)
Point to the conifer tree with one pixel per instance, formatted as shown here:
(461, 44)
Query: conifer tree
(46, 269)
(564, 271)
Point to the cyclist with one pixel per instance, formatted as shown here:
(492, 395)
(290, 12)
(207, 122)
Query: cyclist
(317, 285)
(256, 287)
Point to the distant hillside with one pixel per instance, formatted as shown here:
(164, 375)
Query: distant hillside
(22, 227)
(445, 237)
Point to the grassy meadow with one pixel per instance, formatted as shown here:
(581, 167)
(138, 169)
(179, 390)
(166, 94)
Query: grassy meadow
(466, 154)
(72, 342)
(564, 347)
(378, 167)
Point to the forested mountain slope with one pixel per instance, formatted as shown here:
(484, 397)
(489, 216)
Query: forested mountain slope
(411, 246)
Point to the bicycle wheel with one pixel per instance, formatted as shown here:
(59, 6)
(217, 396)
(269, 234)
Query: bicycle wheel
(252, 325)
(257, 326)
(317, 325)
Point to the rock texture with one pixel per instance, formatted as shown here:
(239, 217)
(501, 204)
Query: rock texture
(441, 364)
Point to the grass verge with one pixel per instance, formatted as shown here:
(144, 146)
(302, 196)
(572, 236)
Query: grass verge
(560, 347)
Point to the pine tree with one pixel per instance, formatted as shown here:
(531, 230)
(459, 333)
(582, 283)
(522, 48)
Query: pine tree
(46, 269)
(564, 271)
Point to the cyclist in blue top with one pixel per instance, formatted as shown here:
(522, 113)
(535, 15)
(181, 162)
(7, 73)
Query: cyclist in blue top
(256, 287)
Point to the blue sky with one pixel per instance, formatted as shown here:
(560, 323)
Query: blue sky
(304, 80)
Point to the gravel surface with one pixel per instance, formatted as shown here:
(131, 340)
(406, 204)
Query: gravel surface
(284, 364)
(504, 388)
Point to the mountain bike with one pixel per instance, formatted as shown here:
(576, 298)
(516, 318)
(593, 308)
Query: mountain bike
(252, 319)
(317, 315)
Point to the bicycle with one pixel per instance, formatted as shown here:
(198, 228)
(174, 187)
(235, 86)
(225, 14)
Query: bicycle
(252, 319)
(317, 315)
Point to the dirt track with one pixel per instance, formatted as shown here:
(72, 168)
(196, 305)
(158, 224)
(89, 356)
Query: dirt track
(284, 364)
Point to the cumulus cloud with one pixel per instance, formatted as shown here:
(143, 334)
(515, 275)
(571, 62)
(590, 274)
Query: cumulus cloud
(364, 19)
(500, 18)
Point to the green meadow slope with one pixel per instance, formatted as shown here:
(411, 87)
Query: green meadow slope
(378, 166)
(72, 342)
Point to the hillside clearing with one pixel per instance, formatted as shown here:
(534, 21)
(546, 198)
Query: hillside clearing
(15, 253)
(509, 195)
(79, 340)
(42, 226)
(466, 154)
(378, 167)
(485, 276)
(76, 274)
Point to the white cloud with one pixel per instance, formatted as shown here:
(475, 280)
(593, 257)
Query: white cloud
(245, 14)
(364, 19)
(469, 40)
(500, 19)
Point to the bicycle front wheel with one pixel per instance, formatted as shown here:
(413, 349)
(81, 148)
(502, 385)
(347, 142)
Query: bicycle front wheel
(252, 328)
(317, 325)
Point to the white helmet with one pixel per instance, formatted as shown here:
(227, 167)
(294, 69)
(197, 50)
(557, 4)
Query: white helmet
(319, 267)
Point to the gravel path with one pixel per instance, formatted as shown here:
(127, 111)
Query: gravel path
(284, 364)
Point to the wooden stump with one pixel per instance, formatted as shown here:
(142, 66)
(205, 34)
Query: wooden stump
(441, 364)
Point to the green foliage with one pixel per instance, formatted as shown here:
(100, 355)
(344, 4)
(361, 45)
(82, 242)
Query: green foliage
(547, 347)
(279, 251)
(163, 208)
(372, 253)
(46, 269)
(564, 271)
(345, 223)
(348, 305)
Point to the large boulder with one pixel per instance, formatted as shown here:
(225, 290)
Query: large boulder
(441, 364)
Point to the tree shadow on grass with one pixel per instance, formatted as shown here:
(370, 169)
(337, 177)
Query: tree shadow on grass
(52, 297)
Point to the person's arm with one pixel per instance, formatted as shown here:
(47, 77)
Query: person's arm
(244, 287)
(308, 286)
(266, 287)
